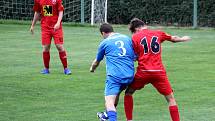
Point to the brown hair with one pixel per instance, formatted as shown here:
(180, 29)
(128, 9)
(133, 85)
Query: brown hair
(105, 27)
(135, 23)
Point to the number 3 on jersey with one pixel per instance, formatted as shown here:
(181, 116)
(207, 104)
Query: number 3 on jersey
(120, 45)
(155, 47)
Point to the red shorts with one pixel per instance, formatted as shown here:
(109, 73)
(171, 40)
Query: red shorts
(48, 34)
(159, 81)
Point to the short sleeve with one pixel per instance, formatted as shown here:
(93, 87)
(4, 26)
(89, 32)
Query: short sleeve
(101, 52)
(60, 5)
(165, 36)
(36, 6)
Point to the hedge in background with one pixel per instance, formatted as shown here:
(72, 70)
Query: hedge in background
(164, 12)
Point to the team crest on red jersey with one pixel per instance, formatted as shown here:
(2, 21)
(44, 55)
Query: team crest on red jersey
(48, 10)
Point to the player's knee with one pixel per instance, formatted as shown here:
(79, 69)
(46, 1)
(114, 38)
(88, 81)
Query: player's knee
(46, 48)
(171, 101)
(59, 47)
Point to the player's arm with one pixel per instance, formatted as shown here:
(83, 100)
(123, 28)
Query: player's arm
(174, 39)
(34, 21)
(60, 16)
(37, 10)
(99, 57)
(179, 39)
(94, 65)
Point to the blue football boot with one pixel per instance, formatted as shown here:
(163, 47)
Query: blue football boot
(102, 116)
(67, 71)
(45, 71)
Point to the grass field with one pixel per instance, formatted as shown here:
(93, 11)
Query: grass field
(26, 95)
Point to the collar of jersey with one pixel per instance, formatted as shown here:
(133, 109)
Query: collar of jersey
(112, 35)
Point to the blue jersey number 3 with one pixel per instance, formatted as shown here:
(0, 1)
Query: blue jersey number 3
(120, 45)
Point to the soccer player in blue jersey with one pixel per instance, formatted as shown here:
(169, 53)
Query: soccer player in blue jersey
(117, 48)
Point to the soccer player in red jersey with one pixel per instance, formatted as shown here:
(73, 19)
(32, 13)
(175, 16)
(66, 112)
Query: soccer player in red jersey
(51, 13)
(147, 47)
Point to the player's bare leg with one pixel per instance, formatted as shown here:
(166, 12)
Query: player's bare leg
(110, 107)
(116, 101)
(46, 58)
(117, 97)
(110, 102)
(103, 115)
(173, 108)
(63, 58)
(60, 47)
(170, 99)
(128, 103)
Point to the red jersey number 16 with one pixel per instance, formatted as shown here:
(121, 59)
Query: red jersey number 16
(154, 45)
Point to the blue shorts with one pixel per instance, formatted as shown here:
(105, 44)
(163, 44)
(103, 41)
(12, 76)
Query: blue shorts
(114, 86)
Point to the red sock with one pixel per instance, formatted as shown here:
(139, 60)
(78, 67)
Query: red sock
(128, 106)
(63, 58)
(174, 113)
(46, 59)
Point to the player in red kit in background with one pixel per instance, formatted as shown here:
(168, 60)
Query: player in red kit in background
(147, 47)
(51, 13)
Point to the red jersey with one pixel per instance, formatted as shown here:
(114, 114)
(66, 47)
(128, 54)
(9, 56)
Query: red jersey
(49, 10)
(147, 47)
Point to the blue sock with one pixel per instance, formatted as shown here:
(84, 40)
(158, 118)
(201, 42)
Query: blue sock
(112, 115)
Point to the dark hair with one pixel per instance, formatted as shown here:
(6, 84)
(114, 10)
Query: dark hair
(135, 23)
(105, 27)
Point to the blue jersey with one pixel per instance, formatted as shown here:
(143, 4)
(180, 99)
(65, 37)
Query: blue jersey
(119, 56)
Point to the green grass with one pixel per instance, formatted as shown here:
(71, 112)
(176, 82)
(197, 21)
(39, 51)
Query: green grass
(26, 95)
